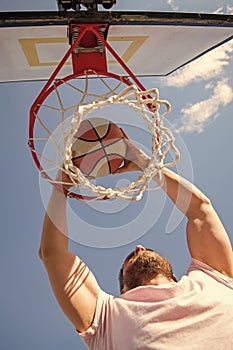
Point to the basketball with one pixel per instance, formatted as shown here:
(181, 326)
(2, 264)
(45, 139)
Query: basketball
(98, 148)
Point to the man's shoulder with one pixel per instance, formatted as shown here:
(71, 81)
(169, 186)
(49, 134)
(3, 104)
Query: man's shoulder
(200, 270)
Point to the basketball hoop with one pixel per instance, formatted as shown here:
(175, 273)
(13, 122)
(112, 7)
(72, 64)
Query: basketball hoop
(62, 104)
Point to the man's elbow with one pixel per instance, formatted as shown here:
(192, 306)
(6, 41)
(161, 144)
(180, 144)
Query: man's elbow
(202, 208)
(40, 253)
(44, 253)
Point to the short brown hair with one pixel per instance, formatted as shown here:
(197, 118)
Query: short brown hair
(146, 267)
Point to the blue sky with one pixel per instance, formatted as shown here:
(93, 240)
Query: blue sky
(201, 95)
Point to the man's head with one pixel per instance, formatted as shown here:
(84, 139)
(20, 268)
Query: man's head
(144, 267)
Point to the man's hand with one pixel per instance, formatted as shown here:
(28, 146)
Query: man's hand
(135, 158)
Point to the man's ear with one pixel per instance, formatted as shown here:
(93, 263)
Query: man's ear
(124, 290)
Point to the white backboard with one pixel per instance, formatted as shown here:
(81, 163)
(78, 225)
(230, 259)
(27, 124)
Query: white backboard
(33, 52)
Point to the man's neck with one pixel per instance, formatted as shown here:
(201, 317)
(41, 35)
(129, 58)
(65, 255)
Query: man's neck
(158, 280)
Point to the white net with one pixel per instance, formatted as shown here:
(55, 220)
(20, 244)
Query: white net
(58, 117)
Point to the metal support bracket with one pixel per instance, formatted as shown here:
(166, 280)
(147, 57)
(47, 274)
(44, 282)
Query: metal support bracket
(89, 5)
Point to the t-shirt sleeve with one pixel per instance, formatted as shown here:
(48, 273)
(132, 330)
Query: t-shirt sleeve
(99, 316)
(197, 265)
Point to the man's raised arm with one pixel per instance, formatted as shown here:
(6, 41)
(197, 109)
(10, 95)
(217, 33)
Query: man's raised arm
(207, 239)
(74, 286)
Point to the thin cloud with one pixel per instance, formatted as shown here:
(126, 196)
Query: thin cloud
(196, 116)
(172, 4)
(219, 10)
(206, 67)
(229, 9)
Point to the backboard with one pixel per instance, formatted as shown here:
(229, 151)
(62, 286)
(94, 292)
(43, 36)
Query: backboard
(157, 44)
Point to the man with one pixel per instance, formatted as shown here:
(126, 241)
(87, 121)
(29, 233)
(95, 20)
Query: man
(154, 310)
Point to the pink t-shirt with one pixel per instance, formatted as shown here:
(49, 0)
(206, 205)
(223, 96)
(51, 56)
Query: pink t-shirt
(195, 313)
